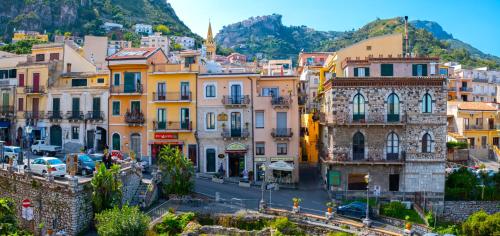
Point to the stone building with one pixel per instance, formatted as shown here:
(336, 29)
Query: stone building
(385, 117)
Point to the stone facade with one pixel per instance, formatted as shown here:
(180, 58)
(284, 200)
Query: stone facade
(458, 211)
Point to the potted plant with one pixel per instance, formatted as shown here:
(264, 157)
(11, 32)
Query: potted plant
(296, 201)
(329, 210)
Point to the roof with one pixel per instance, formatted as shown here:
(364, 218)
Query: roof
(47, 45)
(475, 106)
(133, 53)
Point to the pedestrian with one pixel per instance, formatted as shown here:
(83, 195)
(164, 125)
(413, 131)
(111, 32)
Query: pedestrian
(106, 159)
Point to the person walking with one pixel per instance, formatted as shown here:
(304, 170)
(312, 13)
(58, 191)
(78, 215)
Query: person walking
(106, 159)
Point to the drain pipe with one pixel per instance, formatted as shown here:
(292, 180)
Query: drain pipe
(253, 128)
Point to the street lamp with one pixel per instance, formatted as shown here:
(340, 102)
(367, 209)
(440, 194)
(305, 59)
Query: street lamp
(29, 129)
(367, 220)
(263, 187)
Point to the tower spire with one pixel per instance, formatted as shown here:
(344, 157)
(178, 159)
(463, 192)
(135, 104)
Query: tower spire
(210, 43)
(210, 37)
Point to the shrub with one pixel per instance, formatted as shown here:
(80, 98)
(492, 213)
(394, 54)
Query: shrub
(124, 221)
(429, 217)
(481, 223)
(178, 171)
(459, 145)
(8, 220)
(339, 234)
(399, 211)
(106, 186)
(285, 227)
(174, 224)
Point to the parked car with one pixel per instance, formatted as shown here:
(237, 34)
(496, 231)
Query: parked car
(86, 166)
(11, 152)
(354, 210)
(96, 157)
(41, 166)
(41, 147)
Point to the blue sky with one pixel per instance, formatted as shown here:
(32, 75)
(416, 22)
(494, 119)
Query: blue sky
(474, 22)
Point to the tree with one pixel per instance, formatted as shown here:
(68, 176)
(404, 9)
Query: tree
(124, 221)
(20, 47)
(461, 185)
(175, 46)
(223, 51)
(178, 171)
(133, 37)
(162, 28)
(8, 220)
(481, 223)
(173, 224)
(106, 186)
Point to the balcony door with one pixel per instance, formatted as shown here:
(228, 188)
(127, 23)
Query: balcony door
(36, 82)
(96, 107)
(184, 90)
(76, 107)
(5, 102)
(35, 108)
(236, 94)
(56, 107)
(162, 91)
(235, 124)
(162, 118)
(358, 146)
(185, 118)
(135, 107)
(131, 82)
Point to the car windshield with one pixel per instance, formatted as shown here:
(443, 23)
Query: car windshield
(85, 158)
(54, 162)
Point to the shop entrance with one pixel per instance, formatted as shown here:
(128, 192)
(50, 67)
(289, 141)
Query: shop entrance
(236, 164)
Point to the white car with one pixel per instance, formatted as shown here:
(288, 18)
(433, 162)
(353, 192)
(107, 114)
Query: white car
(11, 152)
(40, 166)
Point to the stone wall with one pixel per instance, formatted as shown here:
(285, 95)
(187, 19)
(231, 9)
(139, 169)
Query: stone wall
(458, 211)
(131, 180)
(60, 205)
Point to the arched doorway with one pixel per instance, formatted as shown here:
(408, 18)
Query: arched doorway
(100, 139)
(56, 135)
(135, 144)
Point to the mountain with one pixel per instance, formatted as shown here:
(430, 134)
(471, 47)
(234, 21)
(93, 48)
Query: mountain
(267, 35)
(81, 17)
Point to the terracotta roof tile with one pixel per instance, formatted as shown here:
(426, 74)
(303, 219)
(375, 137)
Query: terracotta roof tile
(476, 106)
(133, 53)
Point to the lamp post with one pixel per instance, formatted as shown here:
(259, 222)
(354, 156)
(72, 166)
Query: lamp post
(28, 130)
(367, 220)
(262, 203)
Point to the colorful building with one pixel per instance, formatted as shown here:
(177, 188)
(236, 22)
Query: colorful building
(29, 35)
(128, 100)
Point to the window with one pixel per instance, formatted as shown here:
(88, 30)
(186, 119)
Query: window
(443, 71)
(54, 56)
(116, 142)
(466, 123)
(368, 48)
(40, 57)
(162, 118)
(394, 182)
(20, 104)
(116, 108)
(282, 148)
(386, 70)
(75, 132)
(427, 103)
(21, 80)
(260, 148)
(427, 143)
(210, 155)
(100, 80)
(392, 148)
(210, 91)
(259, 119)
(78, 82)
(188, 61)
(361, 71)
(210, 121)
(358, 146)
(359, 107)
(393, 108)
(316, 81)
(269, 92)
(116, 79)
(419, 69)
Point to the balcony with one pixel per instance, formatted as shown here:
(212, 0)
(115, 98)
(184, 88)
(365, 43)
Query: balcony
(172, 97)
(281, 102)
(34, 90)
(54, 116)
(34, 115)
(236, 101)
(361, 159)
(282, 133)
(466, 89)
(75, 116)
(95, 116)
(235, 133)
(135, 118)
(366, 119)
(173, 125)
(121, 89)
(6, 111)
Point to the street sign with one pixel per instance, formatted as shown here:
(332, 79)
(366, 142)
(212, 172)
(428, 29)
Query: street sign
(27, 210)
(271, 186)
(376, 190)
(26, 203)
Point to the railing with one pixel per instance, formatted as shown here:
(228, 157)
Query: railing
(360, 157)
(6, 109)
(136, 88)
(171, 96)
(54, 115)
(75, 115)
(281, 101)
(474, 127)
(172, 125)
(34, 114)
(282, 133)
(235, 133)
(31, 89)
(95, 115)
(367, 119)
(236, 100)
(134, 117)
(465, 89)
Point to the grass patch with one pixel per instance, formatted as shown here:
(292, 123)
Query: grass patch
(397, 210)
(372, 201)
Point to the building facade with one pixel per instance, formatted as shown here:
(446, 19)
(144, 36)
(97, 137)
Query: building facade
(143, 29)
(184, 41)
(157, 40)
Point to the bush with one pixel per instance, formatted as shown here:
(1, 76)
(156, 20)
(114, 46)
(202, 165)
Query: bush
(173, 224)
(178, 171)
(285, 227)
(124, 221)
(429, 217)
(339, 234)
(459, 145)
(8, 220)
(399, 211)
(106, 188)
(482, 224)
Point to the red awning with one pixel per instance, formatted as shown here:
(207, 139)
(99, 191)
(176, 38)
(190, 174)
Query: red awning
(166, 143)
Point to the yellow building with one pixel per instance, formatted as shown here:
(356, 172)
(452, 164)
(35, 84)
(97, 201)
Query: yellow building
(128, 100)
(309, 142)
(42, 68)
(171, 109)
(29, 35)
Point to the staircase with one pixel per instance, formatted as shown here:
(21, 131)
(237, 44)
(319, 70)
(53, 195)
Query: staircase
(140, 193)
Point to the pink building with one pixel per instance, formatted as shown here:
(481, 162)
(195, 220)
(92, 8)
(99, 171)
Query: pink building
(237, 58)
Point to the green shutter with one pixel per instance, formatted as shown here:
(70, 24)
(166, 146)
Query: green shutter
(129, 83)
(334, 178)
(117, 80)
(414, 69)
(76, 105)
(56, 105)
(424, 69)
(367, 71)
(116, 108)
(355, 72)
(386, 70)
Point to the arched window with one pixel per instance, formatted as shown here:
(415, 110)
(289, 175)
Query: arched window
(427, 143)
(115, 142)
(393, 108)
(358, 146)
(359, 107)
(392, 148)
(427, 103)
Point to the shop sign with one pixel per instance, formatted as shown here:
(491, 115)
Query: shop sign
(165, 136)
(222, 117)
(284, 158)
(260, 159)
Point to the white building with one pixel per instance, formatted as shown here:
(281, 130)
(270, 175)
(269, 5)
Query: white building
(143, 29)
(108, 26)
(156, 40)
(185, 42)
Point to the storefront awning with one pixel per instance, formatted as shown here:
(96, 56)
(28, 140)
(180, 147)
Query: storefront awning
(236, 148)
(166, 143)
(281, 165)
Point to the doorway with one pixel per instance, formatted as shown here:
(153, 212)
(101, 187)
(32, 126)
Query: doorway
(135, 144)
(236, 94)
(56, 135)
(235, 124)
(236, 164)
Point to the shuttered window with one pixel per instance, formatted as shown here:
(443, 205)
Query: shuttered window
(419, 69)
(387, 70)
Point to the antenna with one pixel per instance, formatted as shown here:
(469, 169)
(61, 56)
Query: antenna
(406, 36)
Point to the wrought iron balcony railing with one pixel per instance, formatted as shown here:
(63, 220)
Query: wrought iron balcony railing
(235, 133)
(172, 97)
(236, 100)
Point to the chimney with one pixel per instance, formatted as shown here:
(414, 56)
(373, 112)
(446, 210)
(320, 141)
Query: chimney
(406, 36)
